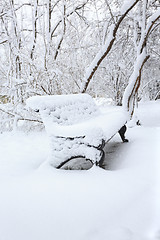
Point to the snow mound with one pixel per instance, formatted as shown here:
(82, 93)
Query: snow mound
(76, 126)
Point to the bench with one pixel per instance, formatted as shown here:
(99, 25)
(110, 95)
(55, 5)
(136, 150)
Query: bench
(77, 128)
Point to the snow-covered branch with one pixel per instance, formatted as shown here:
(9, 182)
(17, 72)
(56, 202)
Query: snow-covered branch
(68, 13)
(4, 41)
(63, 31)
(152, 20)
(141, 58)
(134, 83)
(105, 49)
(35, 14)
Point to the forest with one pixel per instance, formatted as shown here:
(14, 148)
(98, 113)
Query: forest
(100, 47)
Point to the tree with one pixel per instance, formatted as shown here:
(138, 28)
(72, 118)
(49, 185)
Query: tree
(143, 29)
(106, 47)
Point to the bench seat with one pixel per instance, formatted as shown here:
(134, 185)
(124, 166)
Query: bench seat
(105, 126)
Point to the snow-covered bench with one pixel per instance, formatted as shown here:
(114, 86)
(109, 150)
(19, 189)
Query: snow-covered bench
(76, 126)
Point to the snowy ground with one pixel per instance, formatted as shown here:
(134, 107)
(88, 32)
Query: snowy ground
(38, 202)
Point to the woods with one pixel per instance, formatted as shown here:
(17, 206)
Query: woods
(60, 47)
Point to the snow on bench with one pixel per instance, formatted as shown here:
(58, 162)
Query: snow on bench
(76, 126)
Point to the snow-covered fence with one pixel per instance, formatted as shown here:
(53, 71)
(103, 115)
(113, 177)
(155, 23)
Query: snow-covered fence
(76, 127)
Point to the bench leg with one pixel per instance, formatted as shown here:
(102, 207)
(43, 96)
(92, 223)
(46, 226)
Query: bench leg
(100, 163)
(122, 133)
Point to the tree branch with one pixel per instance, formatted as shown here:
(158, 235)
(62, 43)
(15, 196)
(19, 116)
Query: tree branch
(105, 49)
(155, 17)
(67, 15)
(3, 42)
(20, 117)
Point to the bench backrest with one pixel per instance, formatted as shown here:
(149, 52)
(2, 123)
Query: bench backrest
(64, 109)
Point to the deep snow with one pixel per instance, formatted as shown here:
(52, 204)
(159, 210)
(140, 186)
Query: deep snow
(38, 202)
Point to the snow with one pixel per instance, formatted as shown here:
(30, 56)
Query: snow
(64, 109)
(132, 80)
(126, 5)
(38, 202)
(152, 19)
(76, 116)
